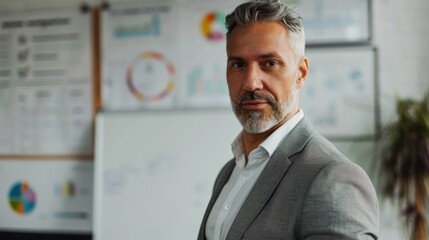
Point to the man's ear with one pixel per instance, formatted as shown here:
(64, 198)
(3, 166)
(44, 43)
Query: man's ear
(302, 72)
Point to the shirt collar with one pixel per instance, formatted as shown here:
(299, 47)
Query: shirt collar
(273, 141)
(270, 144)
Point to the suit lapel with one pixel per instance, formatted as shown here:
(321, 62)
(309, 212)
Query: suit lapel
(220, 183)
(223, 179)
(269, 179)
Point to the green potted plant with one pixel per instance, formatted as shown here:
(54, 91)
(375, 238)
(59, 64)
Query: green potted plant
(404, 163)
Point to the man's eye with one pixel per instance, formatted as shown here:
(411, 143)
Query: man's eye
(238, 65)
(271, 63)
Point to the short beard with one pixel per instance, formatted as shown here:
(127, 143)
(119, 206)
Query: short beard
(254, 121)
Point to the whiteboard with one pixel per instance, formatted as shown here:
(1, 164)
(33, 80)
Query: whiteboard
(339, 94)
(154, 171)
(333, 21)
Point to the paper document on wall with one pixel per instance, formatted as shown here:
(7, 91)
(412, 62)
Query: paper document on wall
(45, 82)
(164, 55)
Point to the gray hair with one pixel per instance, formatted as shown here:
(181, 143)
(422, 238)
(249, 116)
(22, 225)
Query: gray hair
(270, 11)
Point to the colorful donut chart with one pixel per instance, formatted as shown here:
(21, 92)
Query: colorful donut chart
(208, 24)
(168, 88)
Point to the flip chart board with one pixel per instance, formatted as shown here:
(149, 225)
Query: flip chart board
(154, 172)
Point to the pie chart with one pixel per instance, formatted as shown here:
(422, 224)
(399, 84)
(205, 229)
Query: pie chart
(22, 198)
(213, 27)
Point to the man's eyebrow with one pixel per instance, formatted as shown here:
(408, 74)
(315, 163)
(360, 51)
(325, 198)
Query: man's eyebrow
(234, 58)
(262, 56)
(268, 55)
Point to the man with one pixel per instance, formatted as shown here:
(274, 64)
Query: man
(286, 181)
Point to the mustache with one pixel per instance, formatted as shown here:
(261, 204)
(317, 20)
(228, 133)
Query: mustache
(256, 96)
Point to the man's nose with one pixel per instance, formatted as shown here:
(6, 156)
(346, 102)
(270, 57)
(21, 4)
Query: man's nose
(253, 78)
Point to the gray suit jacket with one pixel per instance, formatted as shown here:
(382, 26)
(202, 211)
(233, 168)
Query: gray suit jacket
(308, 190)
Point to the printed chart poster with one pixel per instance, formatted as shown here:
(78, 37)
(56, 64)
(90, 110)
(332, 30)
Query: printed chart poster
(339, 96)
(332, 21)
(45, 83)
(31, 201)
(140, 56)
(204, 53)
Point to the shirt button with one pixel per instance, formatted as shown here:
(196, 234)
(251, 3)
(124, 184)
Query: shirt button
(226, 207)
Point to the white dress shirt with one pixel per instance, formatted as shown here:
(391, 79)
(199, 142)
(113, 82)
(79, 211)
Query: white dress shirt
(243, 179)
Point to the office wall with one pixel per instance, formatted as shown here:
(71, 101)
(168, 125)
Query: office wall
(400, 33)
